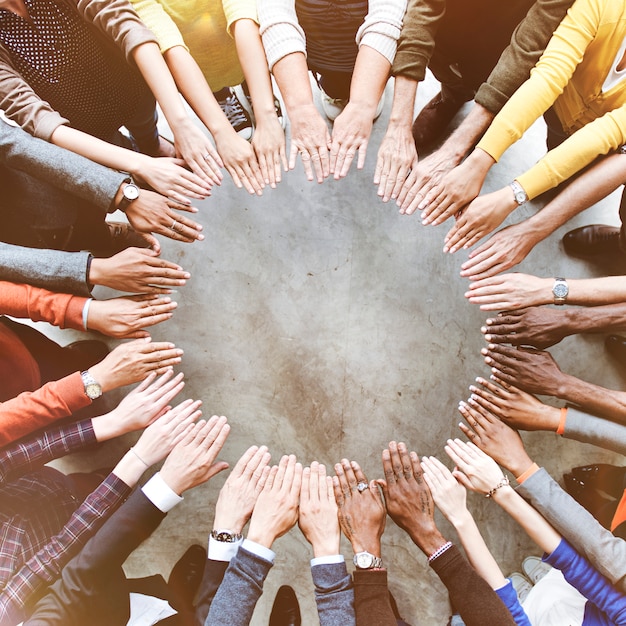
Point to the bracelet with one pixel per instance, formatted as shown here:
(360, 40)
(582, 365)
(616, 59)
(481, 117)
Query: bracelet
(439, 551)
(86, 312)
(132, 449)
(503, 483)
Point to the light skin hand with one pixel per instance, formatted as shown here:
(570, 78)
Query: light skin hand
(240, 162)
(317, 516)
(310, 138)
(351, 133)
(449, 496)
(270, 148)
(126, 317)
(193, 460)
(474, 469)
(241, 490)
(276, 509)
(196, 149)
(510, 291)
(397, 158)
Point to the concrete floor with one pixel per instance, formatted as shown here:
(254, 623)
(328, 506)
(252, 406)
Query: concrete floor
(325, 324)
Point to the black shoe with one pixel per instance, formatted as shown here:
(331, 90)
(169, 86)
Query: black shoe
(607, 478)
(286, 611)
(186, 575)
(594, 240)
(235, 112)
(616, 346)
(432, 120)
(87, 352)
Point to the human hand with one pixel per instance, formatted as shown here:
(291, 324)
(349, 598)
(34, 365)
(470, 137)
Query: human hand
(241, 490)
(397, 158)
(309, 137)
(192, 461)
(474, 469)
(362, 514)
(351, 133)
(539, 327)
(318, 511)
(479, 218)
(196, 149)
(502, 251)
(510, 291)
(137, 270)
(276, 508)
(240, 162)
(154, 213)
(268, 143)
(132, 361)
(126, 317)
(449, 495)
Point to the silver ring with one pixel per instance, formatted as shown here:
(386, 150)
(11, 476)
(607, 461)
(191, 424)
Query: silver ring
(172, 227)
(207, 156)
(361, 487)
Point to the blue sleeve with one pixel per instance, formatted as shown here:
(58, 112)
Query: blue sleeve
(596, 588)
(508, 595)
(334, 594)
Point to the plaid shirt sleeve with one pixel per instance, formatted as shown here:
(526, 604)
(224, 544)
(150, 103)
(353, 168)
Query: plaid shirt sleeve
(45, 567)
(29, 453)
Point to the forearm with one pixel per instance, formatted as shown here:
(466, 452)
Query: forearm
(369, 78)
(292, 76)
(609, 403)
(403, 106)
(465, 137)
(595, 319)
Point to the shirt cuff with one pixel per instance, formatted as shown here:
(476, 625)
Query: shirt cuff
(222, 550)
(160, 494)
(259, 550)
(327, 560)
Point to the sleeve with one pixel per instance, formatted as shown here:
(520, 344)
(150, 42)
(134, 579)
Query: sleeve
(26, 455)
(382, 26)
(528, 42)
(211, 580)
(33, 410)
(49, 269)
(45, 567)
(595, 430)
(508, 595)
(334, 594)
(157, 19)
(279, 29)
(577, 525)
(238, 10)
(477, 603)
(417, 38)
(583, 576)
(371, 599)
(240, 590)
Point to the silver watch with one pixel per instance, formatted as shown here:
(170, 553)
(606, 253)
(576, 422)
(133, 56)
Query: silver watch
(93, 390)
(365, 560)
(560, 291)
(129, 193)
(226, 536)
(518, 192)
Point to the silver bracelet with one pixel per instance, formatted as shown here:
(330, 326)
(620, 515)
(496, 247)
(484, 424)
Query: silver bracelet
(86, 312)
(503, 483)
(132, 449)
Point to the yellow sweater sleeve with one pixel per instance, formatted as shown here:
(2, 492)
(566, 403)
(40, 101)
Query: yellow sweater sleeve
(237, 10)
(154, 16)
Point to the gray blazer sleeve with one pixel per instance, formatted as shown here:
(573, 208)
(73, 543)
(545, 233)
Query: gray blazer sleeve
(579, 527)
(334, 594)
(595, 430)
(59, 167)
(63, 272)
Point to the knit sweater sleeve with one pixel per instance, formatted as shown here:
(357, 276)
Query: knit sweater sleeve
(154, 15)
(239, 10)
(595, 430)
(382, 26)
(334, 594)
(280, 31)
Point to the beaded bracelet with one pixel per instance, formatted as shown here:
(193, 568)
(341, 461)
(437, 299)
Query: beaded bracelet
(439, 551)
(503, 483)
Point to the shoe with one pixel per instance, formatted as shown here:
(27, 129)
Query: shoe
(521, 584)
(584, 494)
(607, 478)
(125, 236)
(535, 569)
(186, 575)
(432, 120)
(286, 610)
(277, 108)
(87, 353)
(235, 112)
(332, 107)
(593, 240)
(616, 346)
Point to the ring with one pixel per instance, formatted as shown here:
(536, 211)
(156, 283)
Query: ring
(173, 226)
(207, 156)
(361, 487)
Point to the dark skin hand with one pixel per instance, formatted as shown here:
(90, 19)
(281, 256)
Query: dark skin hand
(407, 496)
(536, 326)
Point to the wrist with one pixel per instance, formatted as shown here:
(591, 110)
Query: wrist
(329, 547)
(460, 519)
(371, 545)
(503, 494)
(99, 374)
(428, 541)
(230, 522)
(129, 469)
(97, 271)
(107, 426)
(262, 537)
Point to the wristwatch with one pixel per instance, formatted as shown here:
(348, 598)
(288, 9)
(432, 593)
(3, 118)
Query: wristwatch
(129, 193)
(518, 191)
(560, 290)
(365, 560)
(93, 389)
(226, 536)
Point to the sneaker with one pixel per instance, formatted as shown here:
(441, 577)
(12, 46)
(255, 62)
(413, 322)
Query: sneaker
(235, 112)
(521, 584)
(334, 106)
(534, 568)
(277, 107)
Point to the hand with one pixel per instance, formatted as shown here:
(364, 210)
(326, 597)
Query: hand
(309, 137)
(449, 496)
(479, 218)
(132, 361)
(397, 157)
(140, 407)
(160, 437)
(474, 469)
(240, 162)
(351, 132)
(198, 152)
(501, 252)
(510, 291)
(539, 327)
(408, 498)
(192, 461)
(276, 509)
(530, 370)
(268, 143)
(137, 270)
(125, 317)
(241, 490)
(153, 213)
(318, 511)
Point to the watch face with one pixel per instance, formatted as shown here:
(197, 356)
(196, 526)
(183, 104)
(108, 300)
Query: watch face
(131, 192)
(520, 196)
(93, 391)
(364, 560)
(560, 290)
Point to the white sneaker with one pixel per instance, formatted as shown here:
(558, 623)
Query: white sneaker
(534, 568)
(521, 584)
(334, 106)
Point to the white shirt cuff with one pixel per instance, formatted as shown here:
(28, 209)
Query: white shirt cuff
(222, 550)
(160, 494)
(327, 560)
(259, 550)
